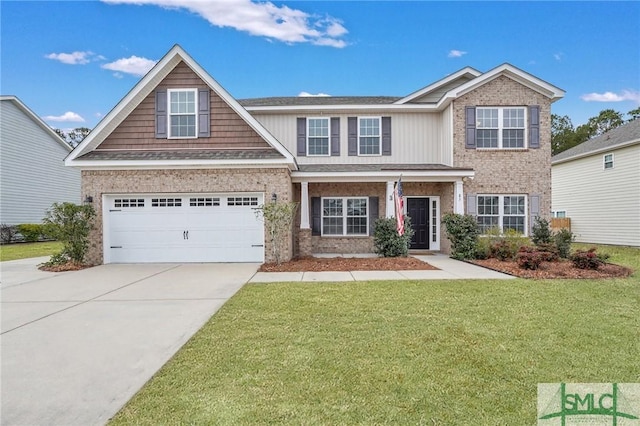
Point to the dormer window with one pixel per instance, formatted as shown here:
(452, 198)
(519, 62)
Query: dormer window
(183, 116)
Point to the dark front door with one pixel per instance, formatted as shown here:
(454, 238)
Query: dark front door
(418, 211)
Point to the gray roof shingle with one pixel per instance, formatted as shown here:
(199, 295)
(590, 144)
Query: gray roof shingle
(333, 168)
(626, 133)
(319, 100)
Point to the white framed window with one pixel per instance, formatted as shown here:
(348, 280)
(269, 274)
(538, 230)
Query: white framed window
(503, 212)
(501, 128)
(183, 117)
(345, 216)
(166, 202)
(560, 214)
(369, 140)
(128, 202)
(608, 161)
(318, 131)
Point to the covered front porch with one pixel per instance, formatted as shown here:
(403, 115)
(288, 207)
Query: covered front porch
(340, 203)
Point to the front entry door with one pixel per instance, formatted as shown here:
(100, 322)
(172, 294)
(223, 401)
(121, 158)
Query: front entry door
(418, 211)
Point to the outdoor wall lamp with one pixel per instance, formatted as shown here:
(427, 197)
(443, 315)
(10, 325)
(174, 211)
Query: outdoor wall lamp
(274, 197)
(88, 199)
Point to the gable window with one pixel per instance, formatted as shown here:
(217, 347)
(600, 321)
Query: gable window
(503, 212)
(500, 128)
(369, 141)
(318, 136)
(182, 113)
(608, 161)
(345, 216)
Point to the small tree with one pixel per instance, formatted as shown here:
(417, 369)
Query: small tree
(278, 219)
(386, 240)
(541, 232)
(70, 223)
(463, 232)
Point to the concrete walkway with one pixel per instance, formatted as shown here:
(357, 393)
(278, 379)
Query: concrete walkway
(448, 269)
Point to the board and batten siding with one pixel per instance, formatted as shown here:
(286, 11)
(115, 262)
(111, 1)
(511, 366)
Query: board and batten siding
(604, 205)
(33, 172)
(416, 138)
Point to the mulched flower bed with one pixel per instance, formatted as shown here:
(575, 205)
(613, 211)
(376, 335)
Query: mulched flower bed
(319, 264)
(554, 270)
(69, 266)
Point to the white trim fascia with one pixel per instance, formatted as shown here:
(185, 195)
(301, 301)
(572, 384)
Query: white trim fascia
(147, 84)
(177, 164)
(347, 108)
(383, 176)
(596, 151)
(552, 92)
(444, 81)
(34, 117)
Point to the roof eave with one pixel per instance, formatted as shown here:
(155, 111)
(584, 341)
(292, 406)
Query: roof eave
(595, 151)
(383, 176)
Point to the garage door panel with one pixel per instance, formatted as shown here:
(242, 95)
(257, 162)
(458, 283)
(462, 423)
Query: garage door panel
(188, 231)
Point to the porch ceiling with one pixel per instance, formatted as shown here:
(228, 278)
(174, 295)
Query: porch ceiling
(379, 173)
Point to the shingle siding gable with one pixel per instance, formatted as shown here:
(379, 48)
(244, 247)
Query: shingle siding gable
(227, 129)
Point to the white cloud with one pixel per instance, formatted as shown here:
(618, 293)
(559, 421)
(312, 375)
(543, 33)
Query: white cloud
(626, 95)
(456, 53)
(74, 58)
(558, 56)
(307, 94)
(133, 65)
(263, 19)
(68, 116)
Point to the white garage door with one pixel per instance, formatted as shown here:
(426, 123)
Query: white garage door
(183, 228)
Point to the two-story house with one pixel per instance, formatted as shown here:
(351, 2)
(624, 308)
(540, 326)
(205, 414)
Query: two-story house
(178, 168)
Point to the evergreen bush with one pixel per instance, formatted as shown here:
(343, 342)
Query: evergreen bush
(462, 231)
(386, 240)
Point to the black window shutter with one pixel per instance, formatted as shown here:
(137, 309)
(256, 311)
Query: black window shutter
(335, 136)
(470, 126)
(352, 135)
(373, 214)
(302, 136)
(161, 114)
(316, 216)
(386, 135)
(204, 117)
(534, 126)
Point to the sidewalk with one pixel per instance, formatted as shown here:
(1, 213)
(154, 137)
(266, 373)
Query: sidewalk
(449, 269)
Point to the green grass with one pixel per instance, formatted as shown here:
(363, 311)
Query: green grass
(406, 352)
(26, 250)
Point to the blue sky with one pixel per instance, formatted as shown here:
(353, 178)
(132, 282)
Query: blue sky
(72, 61)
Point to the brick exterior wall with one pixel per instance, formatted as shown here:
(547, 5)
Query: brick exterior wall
(506, 171)
(96, 183)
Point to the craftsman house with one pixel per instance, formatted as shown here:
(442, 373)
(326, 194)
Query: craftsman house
(178, 168)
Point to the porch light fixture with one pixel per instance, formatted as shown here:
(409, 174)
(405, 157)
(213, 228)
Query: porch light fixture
(88, 199)
(274, 197)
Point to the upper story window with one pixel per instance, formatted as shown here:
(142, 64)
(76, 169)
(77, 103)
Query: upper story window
(318, 136)
(608, 161)
(182, 113)
(500, 128)
(369, 140)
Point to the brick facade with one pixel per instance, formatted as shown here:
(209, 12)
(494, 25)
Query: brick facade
(504, 171)
(96, 183)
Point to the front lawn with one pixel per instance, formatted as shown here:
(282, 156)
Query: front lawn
(405, 352)
(26, 250)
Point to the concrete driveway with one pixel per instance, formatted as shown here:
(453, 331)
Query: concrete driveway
(77, 346)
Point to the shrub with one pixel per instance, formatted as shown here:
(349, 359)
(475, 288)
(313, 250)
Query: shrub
(530, 258)
(506, 247)
(586, 259)
(7, 233)
(463, 232)
(541, 232)
(31, 232)
(563, 240)
(549, 251)
(485, 241)
(386, 240)
(70, 223)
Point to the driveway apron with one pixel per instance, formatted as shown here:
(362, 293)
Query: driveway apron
(77, 346)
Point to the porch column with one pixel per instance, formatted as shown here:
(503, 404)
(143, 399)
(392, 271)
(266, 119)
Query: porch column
(458, 197)
(304, 206)
(391, 207)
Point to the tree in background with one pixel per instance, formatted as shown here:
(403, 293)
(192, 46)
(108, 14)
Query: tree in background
(73, 137)
(565, 136)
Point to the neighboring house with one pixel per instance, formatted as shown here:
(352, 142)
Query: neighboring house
(597, 185)
(33, 175)
(178, 168)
